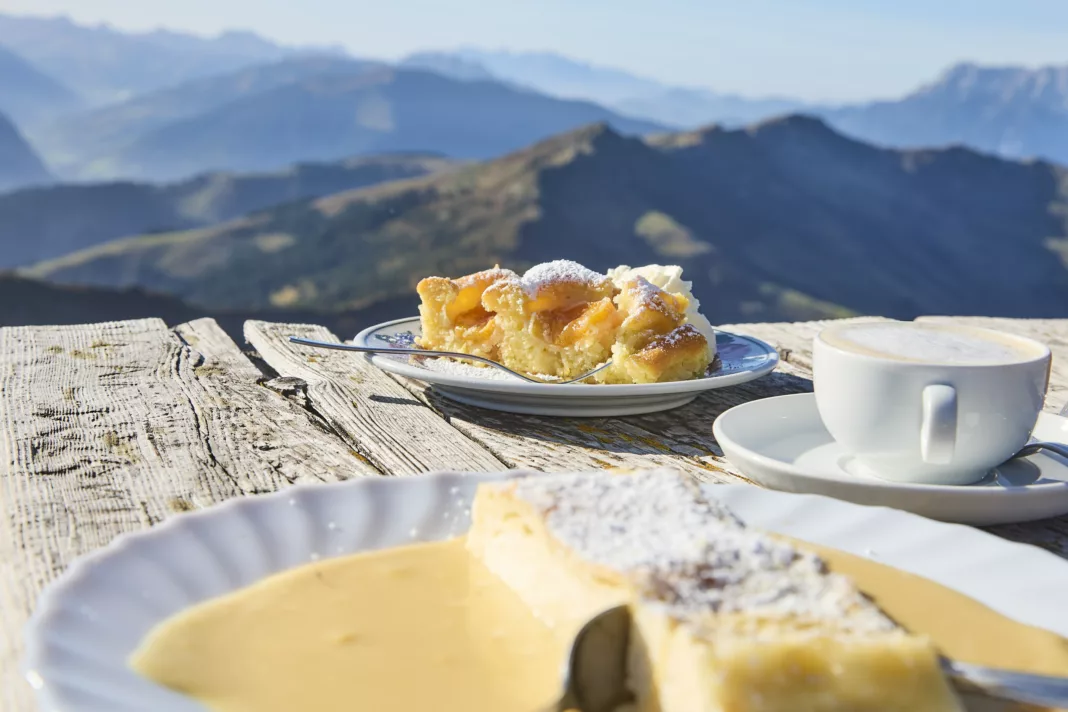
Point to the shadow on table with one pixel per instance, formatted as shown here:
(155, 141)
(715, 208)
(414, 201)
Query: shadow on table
(681, 432)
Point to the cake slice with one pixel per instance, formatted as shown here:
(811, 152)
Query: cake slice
(561, 319)
(726, 619)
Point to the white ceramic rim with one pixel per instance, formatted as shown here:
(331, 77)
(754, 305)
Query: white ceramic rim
(1044, 353)
(572, 390)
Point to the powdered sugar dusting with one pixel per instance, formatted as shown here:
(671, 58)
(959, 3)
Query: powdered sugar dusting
(488, 275)
(547, 273)
(470, 370)
(688, 552)
(649, 296)
(680, 335)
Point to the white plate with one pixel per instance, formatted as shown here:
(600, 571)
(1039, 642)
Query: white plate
(741, 359)
(89, 621)
(781, 443)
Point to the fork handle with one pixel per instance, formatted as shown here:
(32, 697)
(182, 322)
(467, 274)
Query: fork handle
(408, 352)
(387, 350)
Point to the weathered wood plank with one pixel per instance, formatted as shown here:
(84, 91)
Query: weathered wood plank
(1052, 332)
(266, 440)
(108, 428)
(376, 416)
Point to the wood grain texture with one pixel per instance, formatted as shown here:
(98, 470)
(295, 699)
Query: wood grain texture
(373, 414)
(108, 428)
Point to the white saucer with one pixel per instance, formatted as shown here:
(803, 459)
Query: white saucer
(741, 359)
(781, 443)
(89, 620)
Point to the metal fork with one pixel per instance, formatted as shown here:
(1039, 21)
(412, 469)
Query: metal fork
(450, 354)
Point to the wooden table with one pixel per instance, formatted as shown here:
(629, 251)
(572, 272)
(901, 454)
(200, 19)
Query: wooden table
(109, 428)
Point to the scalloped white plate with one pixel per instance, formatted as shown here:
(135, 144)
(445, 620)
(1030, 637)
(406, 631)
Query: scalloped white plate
(89, 621)
(741, 359)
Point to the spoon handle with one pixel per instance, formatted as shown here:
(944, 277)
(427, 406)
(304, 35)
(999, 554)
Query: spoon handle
(1032, 448)
(1042, 690)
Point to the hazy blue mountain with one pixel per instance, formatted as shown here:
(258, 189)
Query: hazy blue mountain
(47, 222)
(82, 146)
(19, 165)
(561, 76)
(554, 74)
(29, 96)
(104, 64)
(1011, 111)
(692, 108)
(451, 65)
(382, 110)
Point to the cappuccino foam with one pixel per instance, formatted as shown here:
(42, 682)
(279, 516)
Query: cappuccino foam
(929, 343)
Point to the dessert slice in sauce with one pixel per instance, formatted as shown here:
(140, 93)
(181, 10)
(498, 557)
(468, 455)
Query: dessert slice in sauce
(726, 617)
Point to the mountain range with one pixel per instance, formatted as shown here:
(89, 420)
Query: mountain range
(43, 223)
(270, 116)
(176, 104)
(103, 64)
(19, 165)
(84, 145)
(786, 219)
(1010, 111)
(630, 94)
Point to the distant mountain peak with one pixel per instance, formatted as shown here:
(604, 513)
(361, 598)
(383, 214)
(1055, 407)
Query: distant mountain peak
(807, 124)
(106, 64)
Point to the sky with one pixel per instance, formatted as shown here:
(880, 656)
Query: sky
(819, 50)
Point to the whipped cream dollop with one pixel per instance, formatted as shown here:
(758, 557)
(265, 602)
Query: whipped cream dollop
(669, 278)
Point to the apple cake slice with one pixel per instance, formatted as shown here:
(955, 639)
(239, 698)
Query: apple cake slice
(726, 618)
(561, 319)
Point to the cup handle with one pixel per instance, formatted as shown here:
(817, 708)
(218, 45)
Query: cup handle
(938, 433)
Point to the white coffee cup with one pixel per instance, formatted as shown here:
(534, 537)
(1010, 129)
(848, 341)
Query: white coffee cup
(928, 403)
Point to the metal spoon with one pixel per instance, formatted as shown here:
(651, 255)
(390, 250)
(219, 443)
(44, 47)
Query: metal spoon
(596, 669)
(1032, 448)
(595, 672)
(450, 354)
